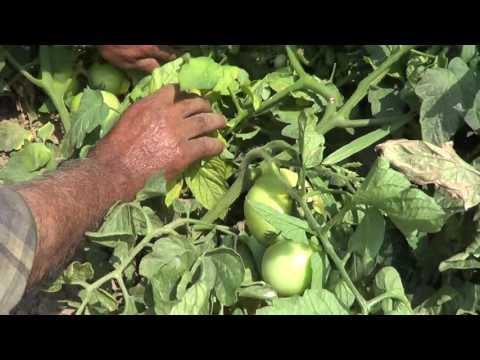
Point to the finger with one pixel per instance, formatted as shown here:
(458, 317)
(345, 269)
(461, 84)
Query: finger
(166, 95)
(164, 52)
(146, 65)
(196, 105)
(203, 124)
(203, 147)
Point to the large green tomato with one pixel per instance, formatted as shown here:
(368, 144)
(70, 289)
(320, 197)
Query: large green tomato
(286, 267)
(268, 190)
(108, 78)
(110, 100)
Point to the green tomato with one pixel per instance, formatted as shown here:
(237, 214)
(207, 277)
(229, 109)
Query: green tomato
(268, 190)
(286, 267)
(110, 100)
(108, 78)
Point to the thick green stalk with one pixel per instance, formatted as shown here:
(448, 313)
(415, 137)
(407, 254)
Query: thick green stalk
(374, 77)
(387, 120)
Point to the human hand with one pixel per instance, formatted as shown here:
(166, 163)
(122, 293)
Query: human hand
(166, 131)
(138, 57)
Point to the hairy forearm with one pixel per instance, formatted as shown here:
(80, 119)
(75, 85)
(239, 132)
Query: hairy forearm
(65, 205)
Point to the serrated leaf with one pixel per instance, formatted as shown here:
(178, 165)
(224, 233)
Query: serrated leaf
(12, 136)
(473, 115)
(121, 223)
(425, 164)
(208, 182)
(288, 226)
(46, 131)
(174, 190)
(196, 300)
(155, 186)
(344, 295)
(368, 238)
(385, 102)
(313, 302)
(27, 163)
(164, 75)
(90, 115)
(259, 291)
(313, 142)
(231, 80)
(230, 272)
(320, 270)
(201, 73)
(168, 251)
(447, 95)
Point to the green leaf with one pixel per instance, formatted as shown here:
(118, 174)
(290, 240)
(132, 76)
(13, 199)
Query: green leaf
(208, 182)
(122, 223)
(174, 190)
(385, 102)
(434, 305)
(164, 75)
(468, 52)
(249, 135)
(155, 186)
(12, 136)
(425, 164)
(177, 252)
(259, 291)
(344, 295)
(75, 272)
(313, 142)
(230, 272)
(320, 270)
(382, 183)
(46, 131)
(415, 211)
(447, 95)
(473, 115)
(388, 281)
(368, 238)
(313, 302)
(288, 226)
(196, 299)
(100, 301)
(92, 112)
(27, 163)
(201, 73)
(361, 143)
(231, 80)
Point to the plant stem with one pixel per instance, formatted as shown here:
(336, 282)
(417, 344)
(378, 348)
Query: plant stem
(22, 70)
(294, 62)
(264, 106)
(329, 249)
(373, 78)
(387, 295)
(342, 123)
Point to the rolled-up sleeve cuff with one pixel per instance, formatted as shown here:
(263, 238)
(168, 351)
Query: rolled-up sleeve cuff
(18, 239)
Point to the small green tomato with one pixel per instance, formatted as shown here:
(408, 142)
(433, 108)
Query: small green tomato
(286, 267)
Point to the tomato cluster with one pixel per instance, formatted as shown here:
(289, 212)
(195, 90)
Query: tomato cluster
(286, 264)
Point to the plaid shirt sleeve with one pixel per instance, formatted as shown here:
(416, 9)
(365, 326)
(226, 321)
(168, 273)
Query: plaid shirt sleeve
(18, 238)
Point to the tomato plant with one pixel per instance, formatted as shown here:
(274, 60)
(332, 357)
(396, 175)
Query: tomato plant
(348, 185)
